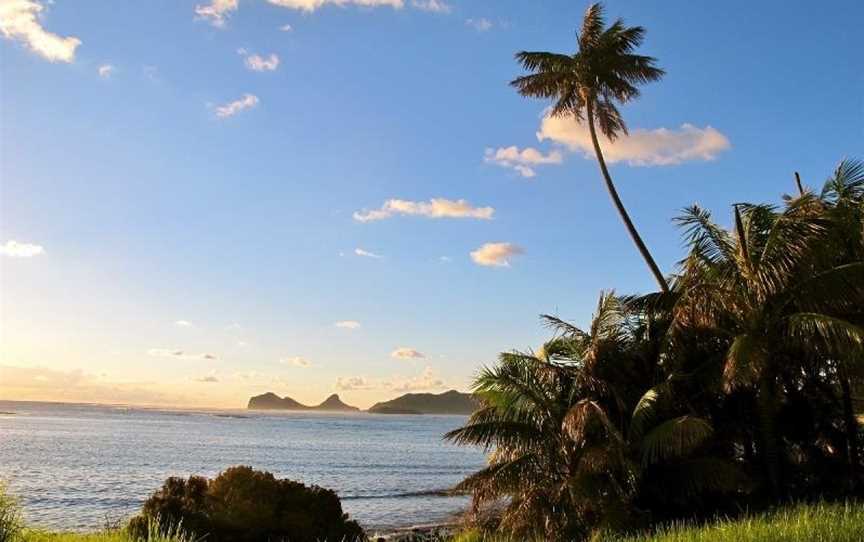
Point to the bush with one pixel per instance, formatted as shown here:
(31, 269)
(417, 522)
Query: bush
(245, 505)
(10, 518)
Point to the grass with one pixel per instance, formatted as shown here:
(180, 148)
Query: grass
(105, 536)
(802, 523)
(154, 534)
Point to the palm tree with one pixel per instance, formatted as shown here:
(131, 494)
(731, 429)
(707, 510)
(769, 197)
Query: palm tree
(842, 203)
(588, 84)
(768, 291)
(567, 446)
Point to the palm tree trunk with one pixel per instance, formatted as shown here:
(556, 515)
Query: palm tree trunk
(652, 265)
(853, 450)
(769, 452)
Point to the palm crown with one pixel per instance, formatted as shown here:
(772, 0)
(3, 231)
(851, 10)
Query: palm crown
(602, 72)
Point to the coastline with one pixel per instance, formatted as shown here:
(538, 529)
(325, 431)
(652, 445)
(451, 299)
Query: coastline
(433, 532)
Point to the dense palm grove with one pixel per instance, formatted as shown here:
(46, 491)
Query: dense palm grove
(734, 390)
(731, 388)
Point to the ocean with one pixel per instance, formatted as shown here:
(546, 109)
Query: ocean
(76, 467)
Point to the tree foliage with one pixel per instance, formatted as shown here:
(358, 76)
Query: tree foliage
(733, 390)
(245, 505)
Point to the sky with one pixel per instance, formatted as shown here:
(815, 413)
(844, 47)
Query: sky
(205, 200)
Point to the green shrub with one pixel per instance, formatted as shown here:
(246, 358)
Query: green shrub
(10, 517)
(245, 505)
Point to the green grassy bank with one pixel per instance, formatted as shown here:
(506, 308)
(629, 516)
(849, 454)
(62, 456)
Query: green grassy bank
(802, 523)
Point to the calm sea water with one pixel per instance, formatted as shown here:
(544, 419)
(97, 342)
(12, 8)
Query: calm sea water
(73, 466)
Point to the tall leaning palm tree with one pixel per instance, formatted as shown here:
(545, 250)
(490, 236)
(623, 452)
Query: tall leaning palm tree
(588, 84)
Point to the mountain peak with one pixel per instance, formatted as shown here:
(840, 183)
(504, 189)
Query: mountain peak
(271, 401)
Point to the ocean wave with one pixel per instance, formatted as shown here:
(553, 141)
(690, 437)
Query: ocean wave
(406, 494)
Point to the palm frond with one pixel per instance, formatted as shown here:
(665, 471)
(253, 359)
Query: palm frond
(847, 182)
(649, 408)
(675, 438)
(832, 335)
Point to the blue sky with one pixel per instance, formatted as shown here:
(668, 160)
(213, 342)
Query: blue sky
(152, 211)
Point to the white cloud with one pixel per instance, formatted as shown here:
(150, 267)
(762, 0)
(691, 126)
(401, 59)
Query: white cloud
(105, 71)
(217, 11)
(19, 21)
(352, 383)
(296, 361)
(14, 249)
(259, 63)
(426, 381)
(480, 25)
(367, 254)
(230, 109)
(445, 259)
(496, 254)
(522, 161)
(286, 28)
(312, 5)
(404, 352)
(435, 6)
(179, 354)
(434, 208)
(659, 147)
(347, 324)
(183, 323)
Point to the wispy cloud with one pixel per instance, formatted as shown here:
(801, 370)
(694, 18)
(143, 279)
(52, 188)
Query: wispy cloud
(105, 71)
(312, 5)
(259, 63)
(348, 324)
(426, 381)
(480, 25)
(367, 254)
(296, 361)
(435, 6)
(434, 208)
(658, 147)
(404, 352)
(230, 109)
(209, 379)
(14, 249)
(217, 11)
(522, 161)
(41, 384)
(353, 383)
(183, 323)
(496, 254)
(20, 21)
(286, 28)
(179, 354)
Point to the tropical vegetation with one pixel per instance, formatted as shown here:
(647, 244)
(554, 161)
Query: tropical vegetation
(733, 390)
(11, 524)
(245, 505)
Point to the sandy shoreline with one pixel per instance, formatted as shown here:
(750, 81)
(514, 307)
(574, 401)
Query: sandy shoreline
(417, 533)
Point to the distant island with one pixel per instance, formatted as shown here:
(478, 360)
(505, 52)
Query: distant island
(271, 401)
(449, 402)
